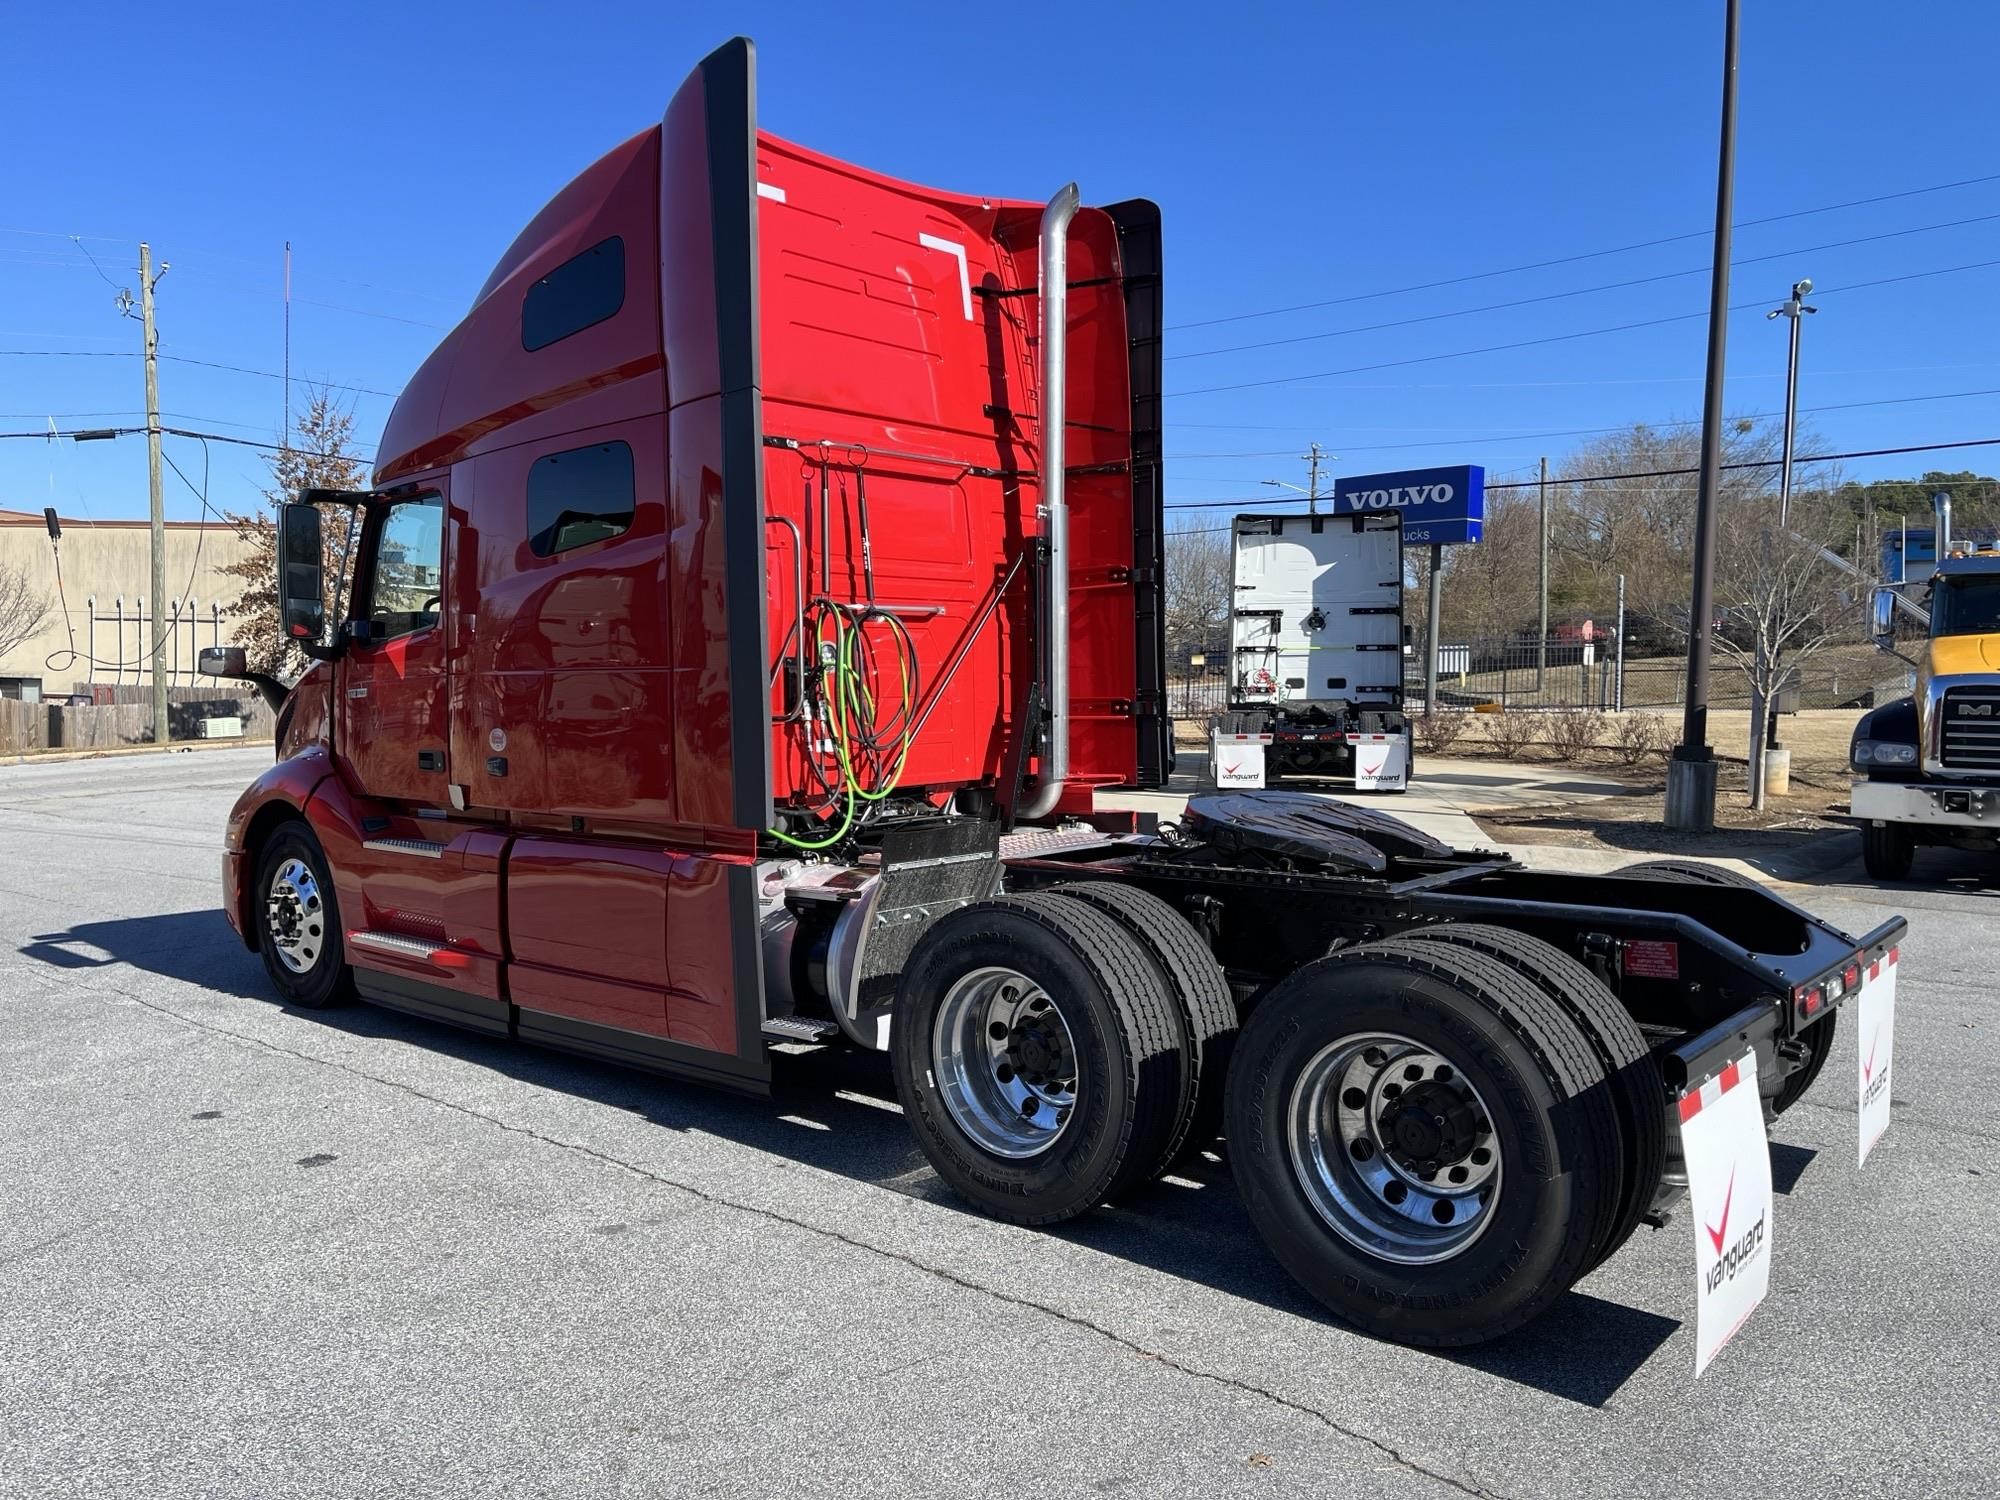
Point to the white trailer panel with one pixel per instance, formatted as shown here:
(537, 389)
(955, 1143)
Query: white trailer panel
(1318, 618)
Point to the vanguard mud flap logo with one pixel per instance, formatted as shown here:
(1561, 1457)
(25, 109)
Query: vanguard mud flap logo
(1729, 1191)
(1733, 1259)
(1876, 1053)
(1874, 1080)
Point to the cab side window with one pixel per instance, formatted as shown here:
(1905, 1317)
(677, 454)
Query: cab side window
(404, 595)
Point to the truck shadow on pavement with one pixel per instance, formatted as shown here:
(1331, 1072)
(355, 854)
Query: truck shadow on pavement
(196, 947)
(1964, 872)
(837, 1112)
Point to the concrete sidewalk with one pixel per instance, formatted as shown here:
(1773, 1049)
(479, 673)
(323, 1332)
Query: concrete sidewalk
(1445, 794)
(1439, 801)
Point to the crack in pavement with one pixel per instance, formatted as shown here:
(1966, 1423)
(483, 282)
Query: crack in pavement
(952, 1278)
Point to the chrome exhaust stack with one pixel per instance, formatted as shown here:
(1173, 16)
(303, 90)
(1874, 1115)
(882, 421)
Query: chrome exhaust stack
(1941, 508)
(1055, 508)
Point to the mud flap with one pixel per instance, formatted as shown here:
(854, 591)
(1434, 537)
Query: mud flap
(1876, 1049)
(1729, 1193)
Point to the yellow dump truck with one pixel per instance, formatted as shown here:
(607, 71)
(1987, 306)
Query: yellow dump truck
(1927, 767)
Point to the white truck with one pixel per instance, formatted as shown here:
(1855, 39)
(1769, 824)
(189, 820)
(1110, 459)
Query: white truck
(1316, 651)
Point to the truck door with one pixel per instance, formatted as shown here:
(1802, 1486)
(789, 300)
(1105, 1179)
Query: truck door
(391, 718)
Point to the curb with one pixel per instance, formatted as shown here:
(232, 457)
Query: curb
(1827, 852)
(57, 757)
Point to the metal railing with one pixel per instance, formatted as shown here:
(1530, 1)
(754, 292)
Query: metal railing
(1568, 671)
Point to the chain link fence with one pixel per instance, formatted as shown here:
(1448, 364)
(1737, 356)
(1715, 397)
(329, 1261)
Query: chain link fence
(1568, 671)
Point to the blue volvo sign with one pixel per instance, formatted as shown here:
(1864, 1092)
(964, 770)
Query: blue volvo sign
(1439, 506)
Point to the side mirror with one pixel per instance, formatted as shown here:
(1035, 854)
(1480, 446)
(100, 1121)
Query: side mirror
(301, 575)
(1882, 618)
(222, 661)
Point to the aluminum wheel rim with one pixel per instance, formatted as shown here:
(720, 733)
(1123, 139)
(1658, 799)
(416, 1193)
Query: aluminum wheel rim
(1362, 1115)
(1004, 1060)
(295, 916)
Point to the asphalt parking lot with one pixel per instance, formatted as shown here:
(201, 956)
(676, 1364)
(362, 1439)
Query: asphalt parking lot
(246, 1251)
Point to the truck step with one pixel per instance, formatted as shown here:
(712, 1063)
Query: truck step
(799, 1029)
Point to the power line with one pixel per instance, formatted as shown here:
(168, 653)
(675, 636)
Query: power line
(78, 241)
(362, 312)
(186, 432)
(1512, 437)
(183, 359)
(363, 390)
(1258, 502)
(1554, 338)
(180, 416)
(1582, 291)
(1565, 260)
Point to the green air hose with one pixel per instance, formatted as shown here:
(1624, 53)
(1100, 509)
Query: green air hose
(851, 714)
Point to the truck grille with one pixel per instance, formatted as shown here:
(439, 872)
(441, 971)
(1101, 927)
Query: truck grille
(1970, 740)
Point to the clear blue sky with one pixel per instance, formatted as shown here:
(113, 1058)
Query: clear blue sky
(1300, 153)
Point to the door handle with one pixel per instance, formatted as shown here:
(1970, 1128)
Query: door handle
(430, 760)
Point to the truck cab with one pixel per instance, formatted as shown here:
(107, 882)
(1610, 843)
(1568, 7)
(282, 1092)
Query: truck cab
(759, 506)
(1927, 767)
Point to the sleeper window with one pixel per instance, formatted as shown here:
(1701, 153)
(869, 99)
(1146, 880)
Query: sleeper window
(579, 496)
(582, 291)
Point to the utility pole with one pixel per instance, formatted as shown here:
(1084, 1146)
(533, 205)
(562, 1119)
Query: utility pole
(1795, 309)
(155, 493)
(1691, 772)
(1542, 639)
(1311, 488)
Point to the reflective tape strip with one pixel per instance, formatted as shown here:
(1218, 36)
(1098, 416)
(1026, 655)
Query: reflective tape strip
(1693, 1103)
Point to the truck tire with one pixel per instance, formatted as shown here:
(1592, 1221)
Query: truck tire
(1638, 1092)
(298, 920)
(1037, 1056)
(1330, 1154)
(1887, 851)
(1687, 872)
(1190, 974)
(1820, 1035)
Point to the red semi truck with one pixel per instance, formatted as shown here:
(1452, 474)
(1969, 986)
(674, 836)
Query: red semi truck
(754, 589)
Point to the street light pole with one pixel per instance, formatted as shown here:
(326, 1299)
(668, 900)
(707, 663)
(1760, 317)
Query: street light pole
(1795, 309)
(1691, 772)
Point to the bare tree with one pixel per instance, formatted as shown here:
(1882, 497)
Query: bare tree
(320, 456)
(24, 609)
(1199, 592)
(1782, 602)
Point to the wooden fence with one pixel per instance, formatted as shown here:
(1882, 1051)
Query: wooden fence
(53, 726)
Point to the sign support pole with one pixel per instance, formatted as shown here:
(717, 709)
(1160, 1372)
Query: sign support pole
(1542, 623)
(1431, 630)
